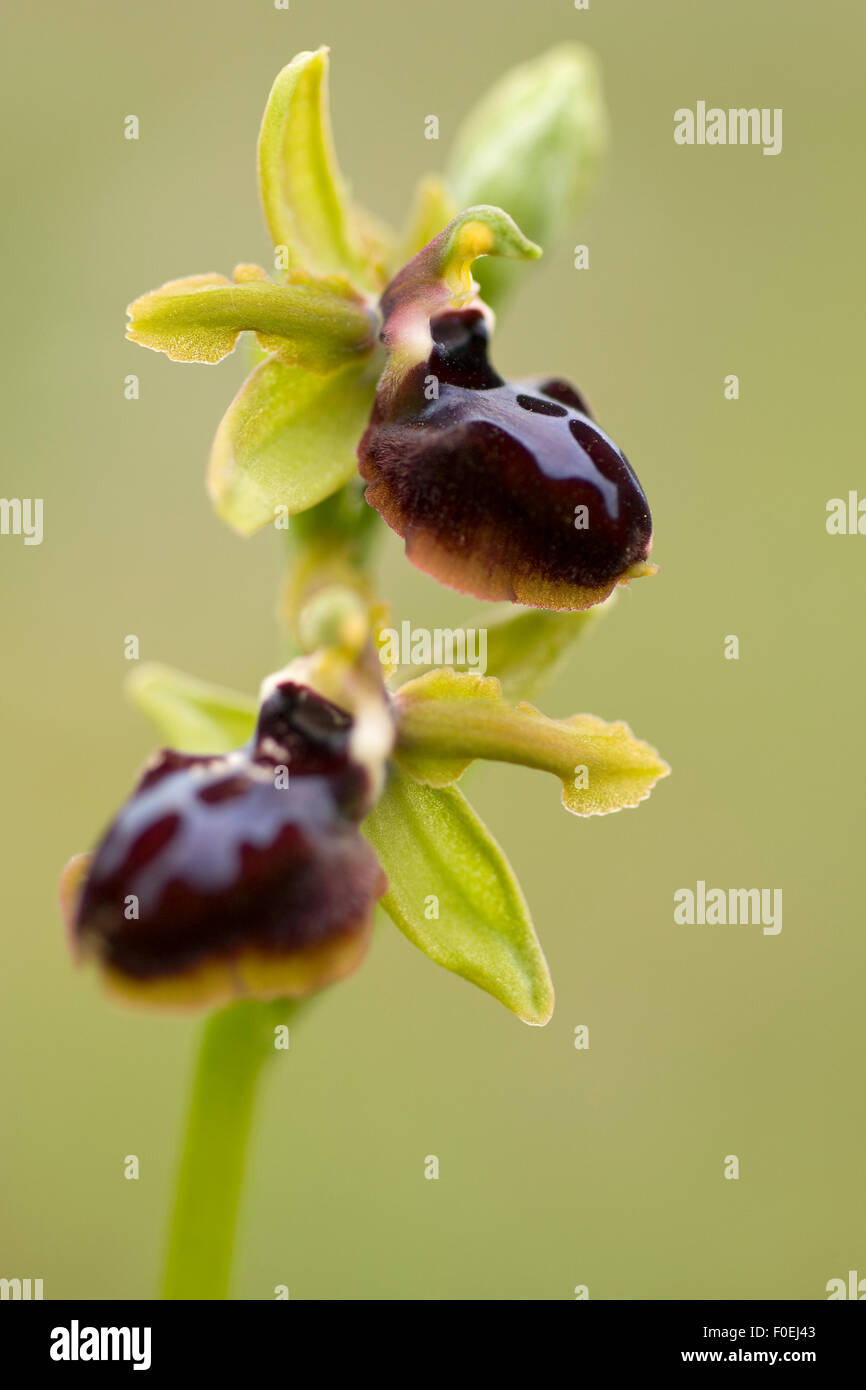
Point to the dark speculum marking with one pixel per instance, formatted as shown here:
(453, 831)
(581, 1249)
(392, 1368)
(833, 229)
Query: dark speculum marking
(539, 406)
(485, 481)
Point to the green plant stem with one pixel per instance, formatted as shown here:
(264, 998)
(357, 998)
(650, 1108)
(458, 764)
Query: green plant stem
(235, 1045)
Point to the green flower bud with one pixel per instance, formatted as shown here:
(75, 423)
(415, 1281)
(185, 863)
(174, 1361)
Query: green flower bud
(334, 617)
(532, 146)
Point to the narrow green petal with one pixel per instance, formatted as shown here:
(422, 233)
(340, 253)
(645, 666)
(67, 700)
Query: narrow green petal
(317, 324)
(447, 719)
(288, 440)
(191, 715)
(454, 895)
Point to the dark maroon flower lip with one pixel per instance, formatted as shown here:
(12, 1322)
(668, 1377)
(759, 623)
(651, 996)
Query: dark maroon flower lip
(238, 874)
(501, 490)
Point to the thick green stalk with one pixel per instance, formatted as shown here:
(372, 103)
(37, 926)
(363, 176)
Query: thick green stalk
(331, 545)
(235, 1045)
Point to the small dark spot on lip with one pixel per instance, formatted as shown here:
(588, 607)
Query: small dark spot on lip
(586, 434)
(222, 791)
(541, 407)
(148, 844)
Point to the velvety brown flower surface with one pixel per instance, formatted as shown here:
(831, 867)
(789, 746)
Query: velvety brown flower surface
(242, 873)
(502, 490)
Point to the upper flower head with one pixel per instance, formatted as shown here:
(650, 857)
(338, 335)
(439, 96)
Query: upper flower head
(501, 490)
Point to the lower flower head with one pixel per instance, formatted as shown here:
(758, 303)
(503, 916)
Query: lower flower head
(238, 874)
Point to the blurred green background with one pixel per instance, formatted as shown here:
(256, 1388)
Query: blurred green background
(558, 1167)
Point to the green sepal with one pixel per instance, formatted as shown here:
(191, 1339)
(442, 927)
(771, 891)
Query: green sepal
(525, 650)
(306, 203)
(191, 715)
(447, 719)
(288, 440)
(436, 850)
(533, 145)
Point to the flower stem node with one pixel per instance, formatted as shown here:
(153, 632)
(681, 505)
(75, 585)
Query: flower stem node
(334, 617)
